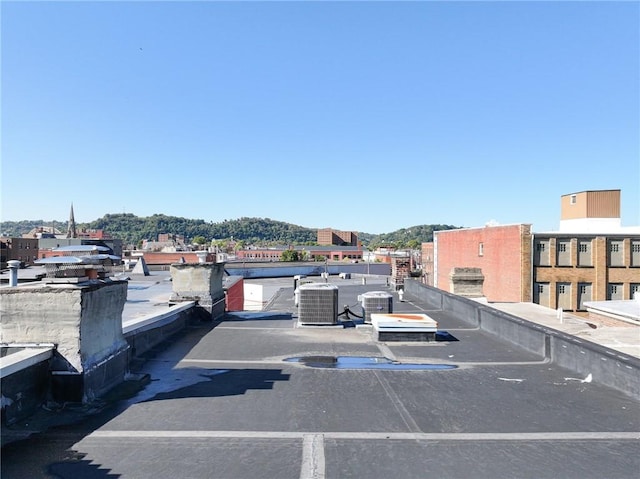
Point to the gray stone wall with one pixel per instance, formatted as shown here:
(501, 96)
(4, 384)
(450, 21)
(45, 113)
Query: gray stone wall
(83, 320)
(200, 282)
(466, 282)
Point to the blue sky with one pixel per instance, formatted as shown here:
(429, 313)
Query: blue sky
(365, 116)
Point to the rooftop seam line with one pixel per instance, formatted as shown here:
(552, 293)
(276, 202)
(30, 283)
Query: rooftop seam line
(313, 464)
(444, 436)
(386, 352)
(397, 403)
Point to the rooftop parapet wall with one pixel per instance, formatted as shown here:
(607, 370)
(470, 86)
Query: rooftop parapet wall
(609, 367)
(84, 321)
(200, 282)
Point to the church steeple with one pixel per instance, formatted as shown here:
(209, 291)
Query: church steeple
(71, 228)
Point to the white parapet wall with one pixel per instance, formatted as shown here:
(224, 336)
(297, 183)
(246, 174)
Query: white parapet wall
(253, 297)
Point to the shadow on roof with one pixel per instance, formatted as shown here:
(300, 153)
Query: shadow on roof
(73, 468)
(225, 382)
(257, 316)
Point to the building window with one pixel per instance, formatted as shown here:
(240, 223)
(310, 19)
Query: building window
(563, 293)
(635, 253)
(614, 292)
(481, 249)
(634, 290)
(541, 257)
(584, 294)
(563, 252)
(573, 199)
(541, 294)
(584, 253)
(616, 253)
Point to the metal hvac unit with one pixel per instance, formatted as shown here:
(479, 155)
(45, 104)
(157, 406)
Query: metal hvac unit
(374, 302)
(318, 303)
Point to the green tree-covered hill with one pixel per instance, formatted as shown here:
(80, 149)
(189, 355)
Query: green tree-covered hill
(258, 231)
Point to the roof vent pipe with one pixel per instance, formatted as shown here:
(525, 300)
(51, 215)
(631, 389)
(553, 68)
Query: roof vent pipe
(13, 265)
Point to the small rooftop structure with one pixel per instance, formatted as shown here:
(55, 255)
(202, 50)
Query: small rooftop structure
(83, 249)
(92, 262)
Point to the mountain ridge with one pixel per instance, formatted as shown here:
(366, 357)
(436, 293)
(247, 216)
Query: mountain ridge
(133, 229)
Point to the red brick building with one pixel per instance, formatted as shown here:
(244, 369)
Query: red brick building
(328, 236)
(310, 253)
(24, 250)
(503, 253)
(591, 258)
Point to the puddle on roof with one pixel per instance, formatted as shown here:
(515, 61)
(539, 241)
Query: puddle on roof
(364, 362)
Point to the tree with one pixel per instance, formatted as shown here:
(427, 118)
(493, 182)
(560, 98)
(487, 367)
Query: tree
(290, 255)
(199, 240)
(413, 244)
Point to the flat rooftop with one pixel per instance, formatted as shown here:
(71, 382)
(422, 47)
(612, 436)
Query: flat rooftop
(258, 396)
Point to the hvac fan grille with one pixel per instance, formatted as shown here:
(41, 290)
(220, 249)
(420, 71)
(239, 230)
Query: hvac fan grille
(376, 302)
(318, 303)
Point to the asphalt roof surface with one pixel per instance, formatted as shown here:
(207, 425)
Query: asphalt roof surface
(225, 401)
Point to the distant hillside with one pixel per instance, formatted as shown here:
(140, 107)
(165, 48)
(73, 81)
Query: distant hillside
(410, 237)
(18, 228)
(259, 231)
(133, 229)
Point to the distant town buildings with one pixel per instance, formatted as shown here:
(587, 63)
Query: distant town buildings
(591, 258)
(41, 242)
(329, 237)
(308, 253)
(24, 250)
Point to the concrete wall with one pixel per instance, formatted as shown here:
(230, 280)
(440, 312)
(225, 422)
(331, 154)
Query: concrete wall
(143, 334)
(25, 381)
(466, 282)
(65, 315)
(611, 368)
(83, 320)
(199, 282)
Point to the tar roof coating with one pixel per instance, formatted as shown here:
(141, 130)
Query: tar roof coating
(223, 402)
